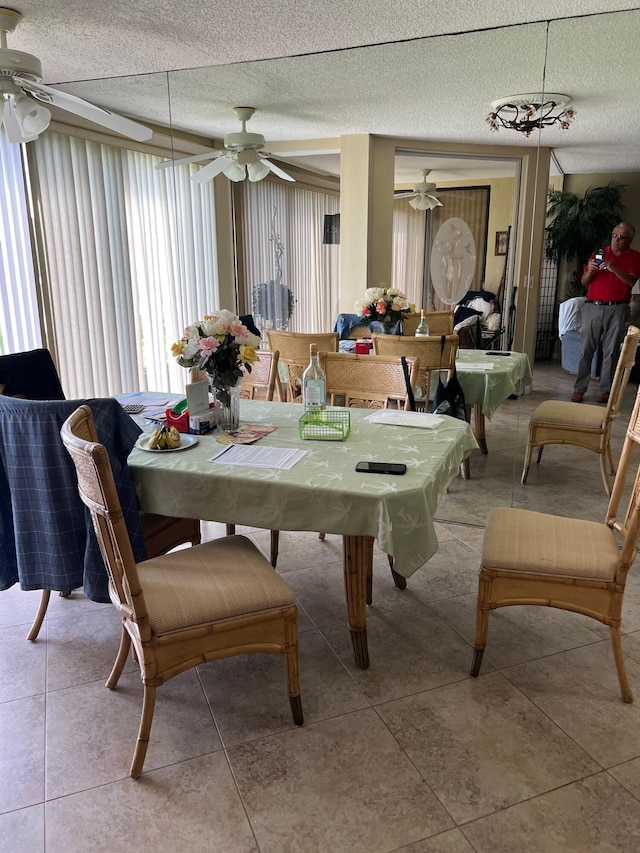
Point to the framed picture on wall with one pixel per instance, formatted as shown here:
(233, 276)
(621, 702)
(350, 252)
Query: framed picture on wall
(501, 242)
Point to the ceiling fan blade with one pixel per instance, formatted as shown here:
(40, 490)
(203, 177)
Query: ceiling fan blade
(195, 158)
(216, 167)
(72, 104)
(405, 194)
(277, 170)
(12, 127)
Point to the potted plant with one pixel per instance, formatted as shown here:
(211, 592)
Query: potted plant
(580, 225)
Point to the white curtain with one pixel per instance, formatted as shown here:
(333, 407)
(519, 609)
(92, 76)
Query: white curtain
(408, 250)
(19, 321)
(130, 260)
(282, 229)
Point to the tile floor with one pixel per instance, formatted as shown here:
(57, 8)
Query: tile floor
(538, 754)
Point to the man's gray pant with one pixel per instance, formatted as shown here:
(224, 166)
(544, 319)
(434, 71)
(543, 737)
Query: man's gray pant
(606, 324)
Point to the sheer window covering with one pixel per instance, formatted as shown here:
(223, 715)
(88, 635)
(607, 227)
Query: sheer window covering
(125, 271)
(309, 268)
(408, 250)
(19, 321)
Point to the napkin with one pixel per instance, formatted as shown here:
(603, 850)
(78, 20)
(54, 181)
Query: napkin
(424, 420)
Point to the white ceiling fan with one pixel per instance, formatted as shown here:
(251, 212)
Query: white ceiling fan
(423, 195)
(21, 88)
(243, 156)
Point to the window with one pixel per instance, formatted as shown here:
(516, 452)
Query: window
(129, 258)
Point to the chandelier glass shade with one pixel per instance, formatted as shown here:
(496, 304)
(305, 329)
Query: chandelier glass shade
(530, 112)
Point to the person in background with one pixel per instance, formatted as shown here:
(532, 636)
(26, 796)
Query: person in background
(606, 310)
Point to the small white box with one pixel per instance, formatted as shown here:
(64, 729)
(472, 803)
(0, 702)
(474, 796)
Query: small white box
(202, 422)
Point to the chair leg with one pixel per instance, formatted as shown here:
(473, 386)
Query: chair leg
(527, 463)
(321, 535)
(605, 474)
(121, 659)
(291, 659)
(482, 626)
(625, 689)
(148, 705)
(275, 541)
(540, 449)
(231, 530)
(37, 622)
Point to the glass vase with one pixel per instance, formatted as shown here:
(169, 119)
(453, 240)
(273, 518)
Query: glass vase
(227, 406)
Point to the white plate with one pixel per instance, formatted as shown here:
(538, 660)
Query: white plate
(185, 442)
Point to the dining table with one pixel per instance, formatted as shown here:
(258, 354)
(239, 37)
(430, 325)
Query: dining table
(322, 492)
(487, 380)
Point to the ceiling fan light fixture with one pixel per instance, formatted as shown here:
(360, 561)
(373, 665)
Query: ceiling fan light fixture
(32, 118)
(257, 171)
(235, 172)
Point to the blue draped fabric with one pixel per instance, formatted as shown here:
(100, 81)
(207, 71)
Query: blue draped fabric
(47, 539)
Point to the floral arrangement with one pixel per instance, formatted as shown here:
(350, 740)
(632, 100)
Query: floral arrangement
(386, 305)
(220, 345)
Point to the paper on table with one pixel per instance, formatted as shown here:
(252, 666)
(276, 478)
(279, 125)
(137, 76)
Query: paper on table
(252, 456)
(424, 420)
(154, 404)
(474, 365)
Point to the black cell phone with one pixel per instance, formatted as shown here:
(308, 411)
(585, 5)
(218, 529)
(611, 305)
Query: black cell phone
(381, 467)
(599, 258)
(497, 352)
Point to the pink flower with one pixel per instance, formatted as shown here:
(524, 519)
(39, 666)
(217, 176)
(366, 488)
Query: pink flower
(208, 346)
(381, 307)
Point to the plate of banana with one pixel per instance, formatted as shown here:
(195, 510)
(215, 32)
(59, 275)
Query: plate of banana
(165, 440)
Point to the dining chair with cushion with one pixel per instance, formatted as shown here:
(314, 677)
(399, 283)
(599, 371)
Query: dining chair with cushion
(367, 381)
(582, 425)
(294, 357)
(581, 566)
(432, 355)
(45, 543)
(439, 322)
(186, 608)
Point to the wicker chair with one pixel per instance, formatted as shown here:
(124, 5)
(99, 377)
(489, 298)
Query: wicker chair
(581, 425)
(261, 383)
(534, 558)
(366, 381)
(427, 351)
(212, 601)
(294, 355)
(439, 322)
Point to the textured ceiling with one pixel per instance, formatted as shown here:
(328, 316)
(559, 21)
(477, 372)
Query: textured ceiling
(437, 88)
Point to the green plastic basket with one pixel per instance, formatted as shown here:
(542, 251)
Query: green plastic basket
(324, 426)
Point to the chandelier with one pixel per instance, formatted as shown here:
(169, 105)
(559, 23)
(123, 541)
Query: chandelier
(526, 113)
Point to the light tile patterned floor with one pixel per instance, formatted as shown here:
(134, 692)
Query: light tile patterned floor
(539, 753)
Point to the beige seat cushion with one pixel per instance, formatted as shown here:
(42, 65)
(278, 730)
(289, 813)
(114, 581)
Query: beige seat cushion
(569, 414)
(214, 581)
(518, 540)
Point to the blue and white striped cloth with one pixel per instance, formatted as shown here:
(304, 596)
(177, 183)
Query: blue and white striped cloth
(47, 539)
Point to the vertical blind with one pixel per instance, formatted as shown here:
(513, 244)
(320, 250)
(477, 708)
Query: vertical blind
(19, 322)
(130, 257)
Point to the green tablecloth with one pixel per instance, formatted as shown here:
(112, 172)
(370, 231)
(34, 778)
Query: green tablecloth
(322, 493)
(507, 375)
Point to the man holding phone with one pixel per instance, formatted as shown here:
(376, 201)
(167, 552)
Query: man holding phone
(609, 275)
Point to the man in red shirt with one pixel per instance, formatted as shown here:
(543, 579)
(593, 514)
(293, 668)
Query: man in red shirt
(606, 310)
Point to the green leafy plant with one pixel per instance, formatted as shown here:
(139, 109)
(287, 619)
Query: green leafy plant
(580, 225)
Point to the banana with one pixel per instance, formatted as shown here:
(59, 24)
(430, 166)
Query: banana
(153, 439)
(173, 437)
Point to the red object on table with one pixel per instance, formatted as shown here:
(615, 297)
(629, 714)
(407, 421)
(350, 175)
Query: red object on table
(363, 347)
